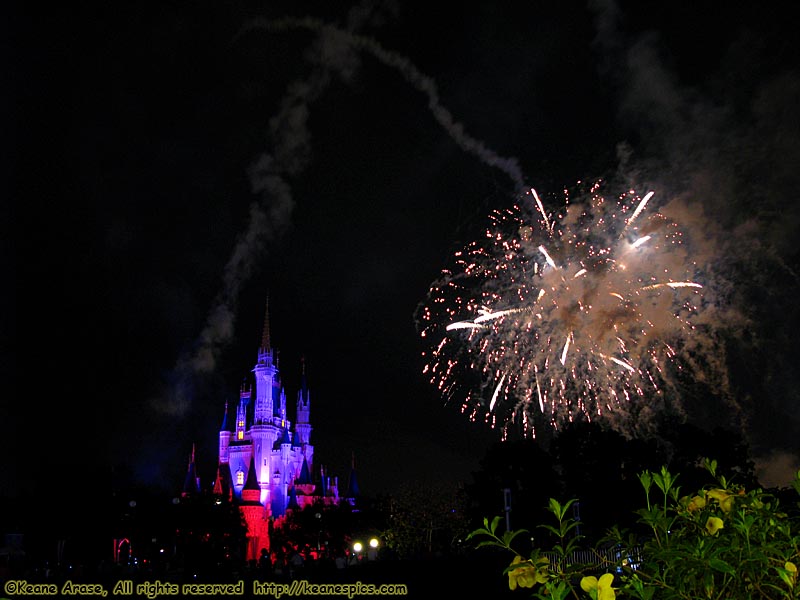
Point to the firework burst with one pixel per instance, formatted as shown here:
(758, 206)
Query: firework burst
(556, 315)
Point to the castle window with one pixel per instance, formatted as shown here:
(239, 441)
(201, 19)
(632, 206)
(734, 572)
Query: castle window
(239, 477)
(240, 435)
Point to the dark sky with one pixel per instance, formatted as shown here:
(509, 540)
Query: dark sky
(163, 163)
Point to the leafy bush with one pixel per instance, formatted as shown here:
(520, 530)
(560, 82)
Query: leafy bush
(720, 542)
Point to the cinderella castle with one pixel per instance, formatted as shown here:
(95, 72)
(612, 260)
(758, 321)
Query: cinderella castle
(266, 462)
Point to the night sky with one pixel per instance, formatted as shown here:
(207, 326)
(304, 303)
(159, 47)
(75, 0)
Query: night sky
(166, 168)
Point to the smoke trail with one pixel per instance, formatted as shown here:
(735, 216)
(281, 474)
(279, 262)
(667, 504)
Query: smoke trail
(270, 214)
(332, 53)
(412, 75)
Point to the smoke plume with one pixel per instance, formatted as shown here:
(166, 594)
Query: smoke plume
(724, 150)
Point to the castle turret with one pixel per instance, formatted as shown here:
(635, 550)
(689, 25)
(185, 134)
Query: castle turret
(240, 449)
(324, 483)
(223, 488)
(224, 438)
(292, 504)
(333, 487)
(303, 481)
(241, 413)
(286, 446)
(305, 474)
(191, 483)
(278, 500)
(266, 374)
(251, 490)
(353, 490)
(280, 407)
(303, 425)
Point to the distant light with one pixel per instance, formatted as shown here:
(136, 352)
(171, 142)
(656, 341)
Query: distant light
(373, 543)
(176, 500)
(132, 503)
(358, 546)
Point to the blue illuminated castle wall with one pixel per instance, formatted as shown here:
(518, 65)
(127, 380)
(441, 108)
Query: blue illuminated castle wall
(266, 461)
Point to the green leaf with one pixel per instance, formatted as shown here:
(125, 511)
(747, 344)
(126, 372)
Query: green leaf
(508, 536)
(472, 534)
(493, 526)
(558, 591)
(720, 565)
(784, 575)
(555, 508)
(646, 479)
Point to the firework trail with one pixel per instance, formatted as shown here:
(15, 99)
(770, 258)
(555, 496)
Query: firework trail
(551, 317)
(412, 75)
(332, 54)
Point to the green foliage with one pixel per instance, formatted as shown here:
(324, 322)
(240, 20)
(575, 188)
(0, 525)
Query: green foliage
(720, 542)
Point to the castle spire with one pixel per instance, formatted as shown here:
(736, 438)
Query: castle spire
(266, 375)
(303, 380)
(191, 484)
(225, 418)
(353, 490)
(265, 334)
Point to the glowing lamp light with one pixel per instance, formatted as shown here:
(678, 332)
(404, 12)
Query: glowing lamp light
(358, 546)
(373, 543)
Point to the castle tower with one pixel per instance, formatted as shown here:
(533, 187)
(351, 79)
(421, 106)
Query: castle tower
(266, 375)
(264, 431)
